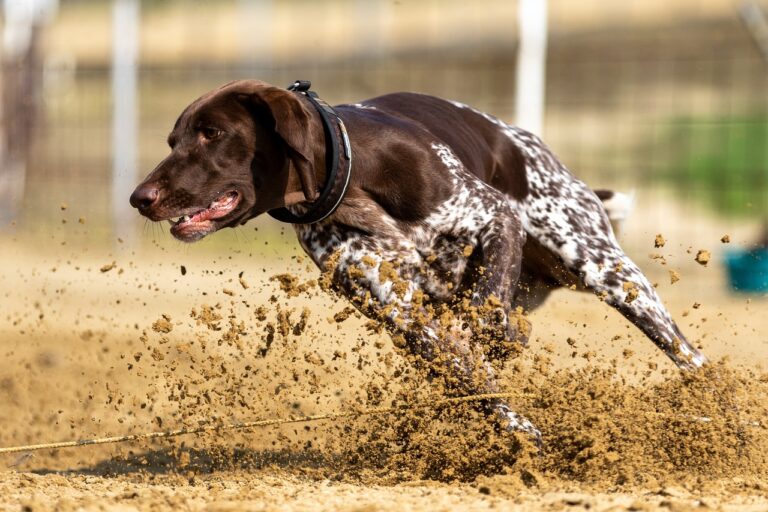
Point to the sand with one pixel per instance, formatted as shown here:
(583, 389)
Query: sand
(168, 337)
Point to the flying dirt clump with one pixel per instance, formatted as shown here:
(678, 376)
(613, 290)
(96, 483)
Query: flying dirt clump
(703, 257)
(108, 267)
(631, 290)
(291, 285)
(163, 325)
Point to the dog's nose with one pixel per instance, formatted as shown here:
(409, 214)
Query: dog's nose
(144, 196)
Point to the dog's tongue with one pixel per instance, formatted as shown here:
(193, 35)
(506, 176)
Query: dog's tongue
(216, 209)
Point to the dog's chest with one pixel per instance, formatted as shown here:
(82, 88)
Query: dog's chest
(432, 253)
(429, 259)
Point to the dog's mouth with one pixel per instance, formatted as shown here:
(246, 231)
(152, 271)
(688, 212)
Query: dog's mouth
(195, 225)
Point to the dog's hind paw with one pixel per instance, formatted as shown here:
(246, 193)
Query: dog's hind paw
(514, 422)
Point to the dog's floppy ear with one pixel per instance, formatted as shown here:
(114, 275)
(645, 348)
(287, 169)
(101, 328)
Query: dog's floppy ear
(292, 124)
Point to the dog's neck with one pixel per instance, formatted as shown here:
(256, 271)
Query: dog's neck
(331, 166)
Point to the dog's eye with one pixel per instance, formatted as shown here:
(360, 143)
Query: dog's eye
(210, 133)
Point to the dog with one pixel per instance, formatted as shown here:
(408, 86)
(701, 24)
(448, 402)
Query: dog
(413, 205)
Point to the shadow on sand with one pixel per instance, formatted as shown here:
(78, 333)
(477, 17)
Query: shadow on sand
(170, 461)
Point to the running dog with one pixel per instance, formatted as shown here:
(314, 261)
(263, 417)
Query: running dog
(411, 202)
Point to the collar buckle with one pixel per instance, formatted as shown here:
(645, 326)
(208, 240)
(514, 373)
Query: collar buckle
(300, 86)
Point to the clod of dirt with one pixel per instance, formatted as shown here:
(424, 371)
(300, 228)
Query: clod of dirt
(674, 276)
(163, 325)
(631, 291)
(703, 257)
(343, 314)
(301, 325)
(260, 313)
(290, 284)
(108, 267)
(207, 316)
(726, 239)
(659, 241)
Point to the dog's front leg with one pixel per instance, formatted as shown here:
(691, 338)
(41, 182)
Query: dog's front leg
(496, 275)
(392, 293)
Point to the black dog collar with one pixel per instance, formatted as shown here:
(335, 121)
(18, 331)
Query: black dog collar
(337, 175)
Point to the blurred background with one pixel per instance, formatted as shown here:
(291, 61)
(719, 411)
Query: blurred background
(666, 100)
(669, 99)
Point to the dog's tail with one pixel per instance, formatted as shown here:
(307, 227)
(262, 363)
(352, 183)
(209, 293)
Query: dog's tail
(618, 206)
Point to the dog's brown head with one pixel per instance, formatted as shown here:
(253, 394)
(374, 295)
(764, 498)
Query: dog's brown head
(236, 152)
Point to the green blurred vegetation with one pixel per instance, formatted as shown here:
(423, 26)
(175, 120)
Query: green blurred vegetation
(721, 161)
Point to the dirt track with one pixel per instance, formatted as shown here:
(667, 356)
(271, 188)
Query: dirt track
(88, 352)
(275, 491)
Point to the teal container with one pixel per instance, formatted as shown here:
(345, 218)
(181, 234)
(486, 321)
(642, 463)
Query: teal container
(748, 270)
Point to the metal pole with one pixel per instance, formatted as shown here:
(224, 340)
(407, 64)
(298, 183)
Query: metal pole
(757, 24)
(531, 64)
(125, 50)
(20, 95)
(255, 19)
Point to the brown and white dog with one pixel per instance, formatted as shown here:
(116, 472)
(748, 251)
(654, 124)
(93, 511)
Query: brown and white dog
(443, 204)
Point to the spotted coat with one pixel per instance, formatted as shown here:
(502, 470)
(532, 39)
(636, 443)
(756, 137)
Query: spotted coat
(501, 231)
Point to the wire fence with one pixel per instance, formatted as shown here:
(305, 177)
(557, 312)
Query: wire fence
(656, 107)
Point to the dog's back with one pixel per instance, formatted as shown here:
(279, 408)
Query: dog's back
(570, 232)
(477, 139)
(487, 146)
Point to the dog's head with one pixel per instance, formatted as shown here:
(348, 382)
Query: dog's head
(236, 152)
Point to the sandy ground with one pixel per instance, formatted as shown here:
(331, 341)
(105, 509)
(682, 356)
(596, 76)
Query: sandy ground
(94, 348)
(273, 491)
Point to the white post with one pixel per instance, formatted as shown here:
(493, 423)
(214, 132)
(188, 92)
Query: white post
(370, 15)
(125, 50)
(531, 65)
(256, 18)
(19, 94)
(757, 24)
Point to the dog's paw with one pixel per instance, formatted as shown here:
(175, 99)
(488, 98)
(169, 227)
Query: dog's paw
(514, 422)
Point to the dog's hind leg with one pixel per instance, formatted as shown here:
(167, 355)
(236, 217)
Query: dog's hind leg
(562, 214)
(543, 271)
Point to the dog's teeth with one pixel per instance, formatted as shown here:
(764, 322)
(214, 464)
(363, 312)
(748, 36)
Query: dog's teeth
(178, 220)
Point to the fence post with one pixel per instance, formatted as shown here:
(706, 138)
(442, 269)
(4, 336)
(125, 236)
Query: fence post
(255, 18)
(20, 95)
(125, 50)
(757, 24)
(531, 64)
